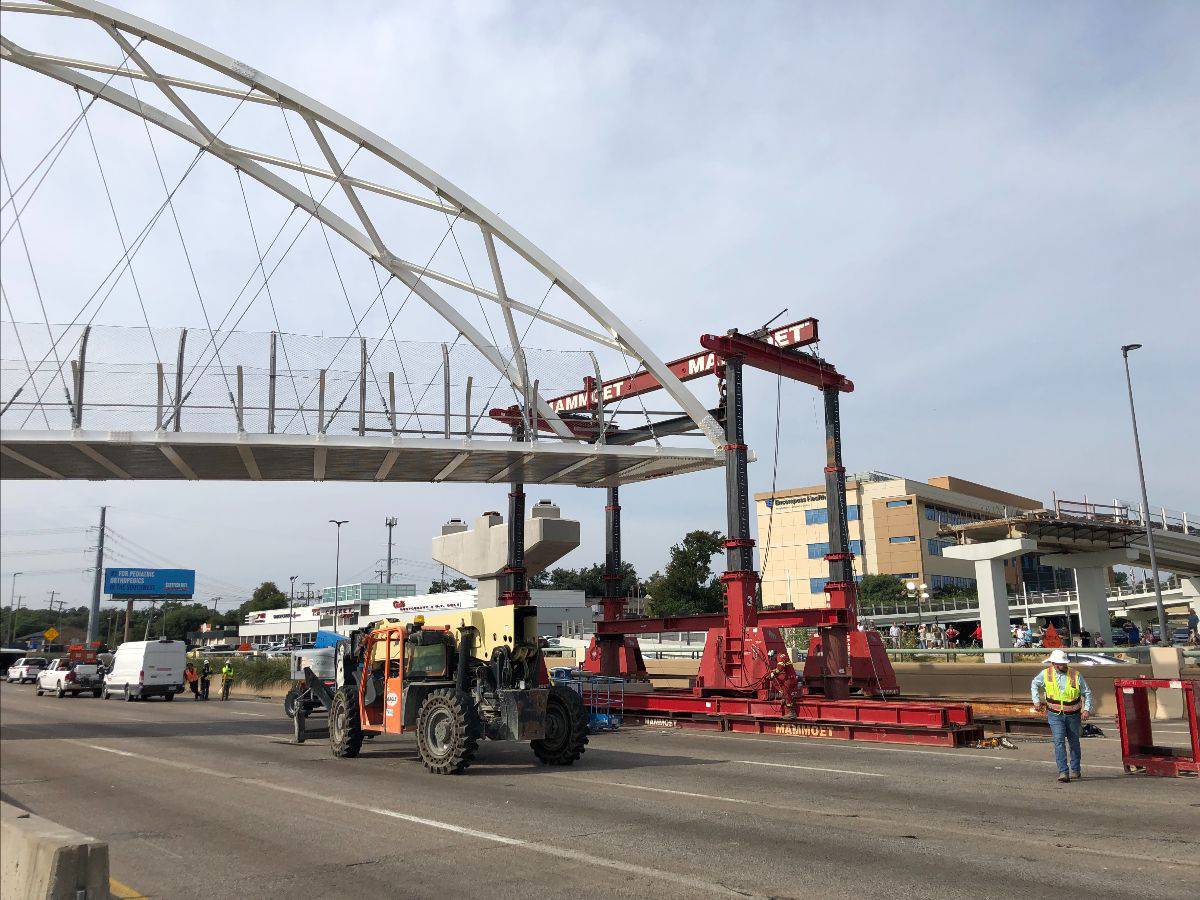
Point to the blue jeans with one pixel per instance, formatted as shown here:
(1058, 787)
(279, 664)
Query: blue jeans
(1064, 732)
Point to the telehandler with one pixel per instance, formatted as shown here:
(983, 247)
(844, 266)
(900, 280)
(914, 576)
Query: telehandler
(454, 678)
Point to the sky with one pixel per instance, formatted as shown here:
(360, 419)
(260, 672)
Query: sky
(980, 202)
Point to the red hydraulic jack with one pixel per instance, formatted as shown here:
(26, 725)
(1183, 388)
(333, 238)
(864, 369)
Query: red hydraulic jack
(746, 680)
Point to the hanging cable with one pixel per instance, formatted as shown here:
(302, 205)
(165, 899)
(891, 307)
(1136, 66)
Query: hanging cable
(117, 222)
(774, 477)
(24, 355)
(127, 257)
(270, 298)
(61, 143)
(38, 291)
(182, 243)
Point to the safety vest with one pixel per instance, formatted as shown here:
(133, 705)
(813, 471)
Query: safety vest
(1062, 699)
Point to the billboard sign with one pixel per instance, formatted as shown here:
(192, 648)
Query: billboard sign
(150, 584)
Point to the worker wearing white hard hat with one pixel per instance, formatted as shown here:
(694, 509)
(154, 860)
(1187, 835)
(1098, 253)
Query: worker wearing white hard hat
(1067, 701)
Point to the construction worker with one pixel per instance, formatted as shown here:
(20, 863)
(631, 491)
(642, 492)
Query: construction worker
(1068, 701)
(206, 674)
(226, 679)
(192, 679)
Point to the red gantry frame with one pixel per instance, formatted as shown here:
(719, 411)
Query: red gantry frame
(746, 679)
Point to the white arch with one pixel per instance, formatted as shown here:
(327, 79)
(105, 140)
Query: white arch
(262, 89)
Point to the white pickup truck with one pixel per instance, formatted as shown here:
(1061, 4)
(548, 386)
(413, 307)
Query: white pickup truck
(66, 677)
(26, 669)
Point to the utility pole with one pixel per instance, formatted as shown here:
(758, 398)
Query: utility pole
(390, 522)
(93, 626)
(12, 608)
(380, 573)
(54, 594)
(1163, 634)
(13, 638)
(308, 586)
(291, 600)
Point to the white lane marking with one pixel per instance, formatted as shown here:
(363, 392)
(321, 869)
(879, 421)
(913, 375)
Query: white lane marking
(751, 762)
(234, 712)
(533, 846)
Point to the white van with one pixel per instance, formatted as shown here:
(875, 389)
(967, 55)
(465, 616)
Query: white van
(143, 669)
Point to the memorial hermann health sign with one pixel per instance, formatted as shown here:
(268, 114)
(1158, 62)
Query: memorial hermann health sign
(150, 584)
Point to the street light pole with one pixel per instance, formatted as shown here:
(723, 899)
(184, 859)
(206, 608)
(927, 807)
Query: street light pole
(291, 600)
(390, 522)
(12, 609)
(1137, 446)
(337, 571)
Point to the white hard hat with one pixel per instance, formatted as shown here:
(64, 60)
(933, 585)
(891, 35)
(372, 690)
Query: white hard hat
(1059, 657)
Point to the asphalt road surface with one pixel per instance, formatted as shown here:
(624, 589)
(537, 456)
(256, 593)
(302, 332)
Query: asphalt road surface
(213, 800)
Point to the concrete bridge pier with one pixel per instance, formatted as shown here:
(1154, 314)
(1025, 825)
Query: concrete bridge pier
(993, 591)
(1091, 581)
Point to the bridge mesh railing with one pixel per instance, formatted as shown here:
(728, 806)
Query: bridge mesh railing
(126, 370)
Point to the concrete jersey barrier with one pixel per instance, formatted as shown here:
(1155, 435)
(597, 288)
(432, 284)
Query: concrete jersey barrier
(41, 859)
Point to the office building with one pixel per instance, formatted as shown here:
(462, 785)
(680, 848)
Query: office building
(893, 528)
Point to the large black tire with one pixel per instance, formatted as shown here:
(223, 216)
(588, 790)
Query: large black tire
(345, 729)
(289, 701)
(448, 732)
(59, 692)
(96, 693)
(566, 728)
(168, 696)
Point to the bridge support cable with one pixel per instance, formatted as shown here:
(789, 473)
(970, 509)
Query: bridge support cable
(170, 201)
(57, 148)
(274, 310)
(24, 356)
(38, 292)
(112, 206)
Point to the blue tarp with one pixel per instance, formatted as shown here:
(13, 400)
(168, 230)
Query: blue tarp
(328, 639)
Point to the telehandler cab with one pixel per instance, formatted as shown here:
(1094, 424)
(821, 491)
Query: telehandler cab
(454, 679)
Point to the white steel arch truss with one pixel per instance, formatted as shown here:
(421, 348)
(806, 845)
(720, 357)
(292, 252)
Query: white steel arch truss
(181, 117)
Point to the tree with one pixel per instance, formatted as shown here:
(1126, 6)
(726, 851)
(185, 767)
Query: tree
(266, 596)
(688, 586)
(881, 590)
(182, 619)
(589, 579)
(443, 586)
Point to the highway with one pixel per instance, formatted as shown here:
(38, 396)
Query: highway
(213, 800)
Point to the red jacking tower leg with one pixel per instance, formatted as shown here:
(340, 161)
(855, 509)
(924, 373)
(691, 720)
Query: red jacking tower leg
(616, 655)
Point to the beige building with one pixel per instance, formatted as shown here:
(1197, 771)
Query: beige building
(893, 524)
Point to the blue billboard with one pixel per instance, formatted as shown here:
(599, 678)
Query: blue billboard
(150, 584)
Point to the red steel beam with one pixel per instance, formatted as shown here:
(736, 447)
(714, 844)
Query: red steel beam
(776, 360)
(687, 368)
(767, 618)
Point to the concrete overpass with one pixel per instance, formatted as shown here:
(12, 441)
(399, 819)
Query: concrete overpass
(1090, 544)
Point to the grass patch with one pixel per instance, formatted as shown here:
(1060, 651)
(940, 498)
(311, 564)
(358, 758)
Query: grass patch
(254, 673)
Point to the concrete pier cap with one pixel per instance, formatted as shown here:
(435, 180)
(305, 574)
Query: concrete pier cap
(481, 551)
(989, 560)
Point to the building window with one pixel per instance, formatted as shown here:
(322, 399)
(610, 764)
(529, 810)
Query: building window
(817, 585)
(820, 515)
(903, 539)
(946, 516)
(904, 502)
(937, 545)
(818, 551)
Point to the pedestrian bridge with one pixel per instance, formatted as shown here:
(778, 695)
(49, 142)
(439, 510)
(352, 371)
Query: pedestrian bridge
(1022, 606)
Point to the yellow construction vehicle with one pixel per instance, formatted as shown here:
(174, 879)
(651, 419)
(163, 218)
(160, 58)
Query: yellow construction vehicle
(454, 678)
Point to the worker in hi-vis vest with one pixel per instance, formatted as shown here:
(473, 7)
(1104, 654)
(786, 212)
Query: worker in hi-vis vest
(1067, 701)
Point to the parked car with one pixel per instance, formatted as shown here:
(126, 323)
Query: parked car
(144, 669)
(26, 669)
(1095, 659)
(64, 677)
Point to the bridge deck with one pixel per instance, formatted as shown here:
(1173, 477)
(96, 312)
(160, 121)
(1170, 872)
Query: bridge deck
(164, 455)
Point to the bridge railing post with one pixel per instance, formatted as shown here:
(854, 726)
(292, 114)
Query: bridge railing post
(271, 390)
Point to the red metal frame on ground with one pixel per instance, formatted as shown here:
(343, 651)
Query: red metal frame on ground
(1138, 750)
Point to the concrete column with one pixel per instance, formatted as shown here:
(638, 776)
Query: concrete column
(993, 592)
(1091, 581)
